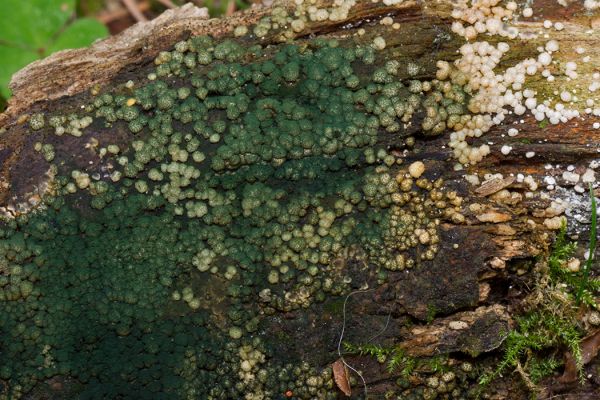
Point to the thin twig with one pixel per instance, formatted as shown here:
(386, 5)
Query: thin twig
(528, 382)
(387, 322)
(230, 8)
(133, 9)
(106, 17)
(167, 3)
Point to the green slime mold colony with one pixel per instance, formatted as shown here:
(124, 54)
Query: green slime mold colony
(248, 176)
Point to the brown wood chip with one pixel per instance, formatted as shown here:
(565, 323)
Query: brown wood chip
(493, 216)
(494, 185)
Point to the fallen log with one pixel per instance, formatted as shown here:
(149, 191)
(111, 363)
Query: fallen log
(230, 277)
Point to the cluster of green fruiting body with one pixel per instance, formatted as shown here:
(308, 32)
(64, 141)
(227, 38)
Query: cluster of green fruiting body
(88, 297)
(251, 170)
(439, 379)
(269, 137)
(246, 372)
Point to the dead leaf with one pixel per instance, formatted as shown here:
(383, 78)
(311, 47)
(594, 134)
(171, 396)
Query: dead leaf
(340, 376)
(589, 349)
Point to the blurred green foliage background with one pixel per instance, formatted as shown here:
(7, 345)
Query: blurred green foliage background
(34, 29)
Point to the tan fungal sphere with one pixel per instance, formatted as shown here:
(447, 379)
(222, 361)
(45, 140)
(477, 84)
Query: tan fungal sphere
(379, 43)
(273, 277)
(416, 169)
(573, 264)
(298, 25)
(81, 179)
(230, 272)
(235, 332)
(194, 303)
(423, 235)
(240, 31)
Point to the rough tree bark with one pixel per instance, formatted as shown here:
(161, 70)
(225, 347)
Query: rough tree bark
(470, 291)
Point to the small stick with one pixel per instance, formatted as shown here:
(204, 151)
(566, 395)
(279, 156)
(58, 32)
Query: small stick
(167, 3)
(133, 9)
(230, 8)
(106, 17)
(528, 382)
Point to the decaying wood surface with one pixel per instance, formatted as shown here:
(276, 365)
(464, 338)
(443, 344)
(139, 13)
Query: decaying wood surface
(472, 286)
